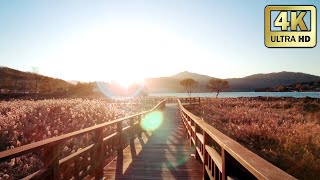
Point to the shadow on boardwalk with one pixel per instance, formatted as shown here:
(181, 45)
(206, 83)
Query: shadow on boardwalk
(162, 154)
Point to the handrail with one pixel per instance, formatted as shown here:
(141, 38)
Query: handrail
(190, 100)
(51, 143)
(234, 159)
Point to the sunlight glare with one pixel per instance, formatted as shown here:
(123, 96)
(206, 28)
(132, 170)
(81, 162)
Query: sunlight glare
(126, 82)
(121, 51)
(152, 121)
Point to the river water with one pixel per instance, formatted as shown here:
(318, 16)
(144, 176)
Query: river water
(242, 94)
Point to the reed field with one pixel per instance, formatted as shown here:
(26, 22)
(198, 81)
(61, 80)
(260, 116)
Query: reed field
(27, 121)
(284, 131)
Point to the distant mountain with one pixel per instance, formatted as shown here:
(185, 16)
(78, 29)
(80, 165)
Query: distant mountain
(172, 83)
(74, 82)
(163, 84)
(8, 73)
(248, 83)
(195, 76)
(302, 87)
(12, 80)
(257, 81)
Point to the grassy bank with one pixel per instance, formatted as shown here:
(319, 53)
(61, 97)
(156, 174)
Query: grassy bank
(284, 131)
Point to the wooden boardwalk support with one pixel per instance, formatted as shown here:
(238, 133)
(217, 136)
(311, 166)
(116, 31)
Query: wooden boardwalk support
(164, 153)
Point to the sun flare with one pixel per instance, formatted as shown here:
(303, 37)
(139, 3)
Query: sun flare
(127, 82)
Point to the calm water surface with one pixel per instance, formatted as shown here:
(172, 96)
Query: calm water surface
(242, 94)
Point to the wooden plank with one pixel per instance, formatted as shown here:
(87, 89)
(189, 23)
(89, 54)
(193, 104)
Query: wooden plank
(200, 137)
(193, 140)
(209, 172)
(214, 156)
(193, 128)
(64, 162)
(199, 153)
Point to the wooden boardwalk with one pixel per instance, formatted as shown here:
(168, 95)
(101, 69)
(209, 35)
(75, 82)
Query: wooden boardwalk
(162, 154)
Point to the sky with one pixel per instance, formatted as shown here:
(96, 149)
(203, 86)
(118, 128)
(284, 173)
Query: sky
(134, 39)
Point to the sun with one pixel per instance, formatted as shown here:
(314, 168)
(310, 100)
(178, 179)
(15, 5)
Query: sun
(127, 82)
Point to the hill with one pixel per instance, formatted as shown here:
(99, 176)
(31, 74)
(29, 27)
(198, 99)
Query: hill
(195, 76)
(256, 81)
(163, 84)
(12, 80)
(248, 83)
(304, 86)
(15, 81)
(172, 83)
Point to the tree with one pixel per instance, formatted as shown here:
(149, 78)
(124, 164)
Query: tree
(5, 85)
(189, 84)
(218, 85)
(47, 85)
(298, 87)
(37, 78)
(16, 80)
(281, 88)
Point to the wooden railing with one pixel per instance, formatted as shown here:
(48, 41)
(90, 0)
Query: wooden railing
(224, 158)
(109, 140)
(191, 101)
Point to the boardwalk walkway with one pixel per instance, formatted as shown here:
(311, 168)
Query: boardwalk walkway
(162, 154)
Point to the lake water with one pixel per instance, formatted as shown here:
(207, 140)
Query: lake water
(242, 94)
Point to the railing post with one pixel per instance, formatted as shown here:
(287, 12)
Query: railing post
(185, 120)
(98, 156)
(162, 106)
(133, 130)
(190, 129)
(225, 169)
(132, 137)
(51, 162)
(205, 156)
(197, 155)
(120, 139)
(139, 133)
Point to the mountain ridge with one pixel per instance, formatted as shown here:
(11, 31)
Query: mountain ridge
(27, 82)
(172, 83)
(187, 74)
(247, 83)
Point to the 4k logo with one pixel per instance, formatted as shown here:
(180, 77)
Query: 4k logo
(290, 26)
(295, 21)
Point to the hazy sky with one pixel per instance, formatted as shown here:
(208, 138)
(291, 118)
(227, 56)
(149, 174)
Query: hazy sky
(102, 40)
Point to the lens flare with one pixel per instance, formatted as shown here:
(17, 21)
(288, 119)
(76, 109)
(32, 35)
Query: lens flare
(152, 121)
(107, 90)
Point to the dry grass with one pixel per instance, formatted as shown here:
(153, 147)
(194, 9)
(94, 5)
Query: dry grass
(286, 131)
(25, 121)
